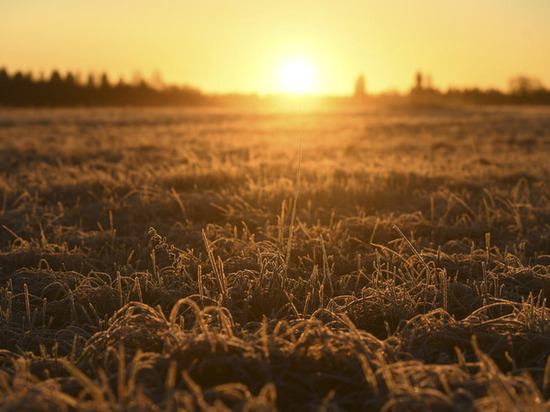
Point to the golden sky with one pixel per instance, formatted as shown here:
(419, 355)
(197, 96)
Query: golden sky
(242, 46)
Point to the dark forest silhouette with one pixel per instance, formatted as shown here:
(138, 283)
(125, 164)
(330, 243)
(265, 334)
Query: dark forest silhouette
(23, 89)
(522, 90)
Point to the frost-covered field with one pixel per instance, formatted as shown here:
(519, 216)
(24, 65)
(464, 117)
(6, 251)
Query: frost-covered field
(149, 259)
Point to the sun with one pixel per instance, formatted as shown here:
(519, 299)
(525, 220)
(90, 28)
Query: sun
(297, 76)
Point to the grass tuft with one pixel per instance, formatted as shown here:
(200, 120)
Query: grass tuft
(167, 264)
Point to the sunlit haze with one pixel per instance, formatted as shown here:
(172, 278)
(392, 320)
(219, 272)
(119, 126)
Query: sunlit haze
(297, 76)
(223, 46)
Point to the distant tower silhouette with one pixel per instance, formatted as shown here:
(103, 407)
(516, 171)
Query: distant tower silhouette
(360, 87)
(418, 80)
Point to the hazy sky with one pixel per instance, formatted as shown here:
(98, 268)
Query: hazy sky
(223, 45)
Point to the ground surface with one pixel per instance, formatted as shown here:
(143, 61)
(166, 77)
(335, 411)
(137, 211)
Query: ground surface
(149, 259)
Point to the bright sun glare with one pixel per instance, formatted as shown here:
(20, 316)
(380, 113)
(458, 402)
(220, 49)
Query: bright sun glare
(297, 76)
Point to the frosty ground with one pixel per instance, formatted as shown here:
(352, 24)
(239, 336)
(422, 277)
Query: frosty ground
(157, 259)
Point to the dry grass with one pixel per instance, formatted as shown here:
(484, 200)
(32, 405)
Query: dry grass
(144, 260)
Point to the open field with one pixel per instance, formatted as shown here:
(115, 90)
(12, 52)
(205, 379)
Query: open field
(149, 260)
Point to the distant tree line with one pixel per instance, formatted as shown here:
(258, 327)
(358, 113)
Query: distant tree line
(522, 90)
(22, 89)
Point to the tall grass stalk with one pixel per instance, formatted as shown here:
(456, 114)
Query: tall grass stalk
(295, 200)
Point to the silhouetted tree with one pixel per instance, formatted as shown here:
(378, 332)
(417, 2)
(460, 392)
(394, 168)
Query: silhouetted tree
(429, 82)
(156, 80)
(55, 78)
(90, 83)
(18, 78)
(524, 85)
(4, 76)
(104, 81)
(70, 80)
